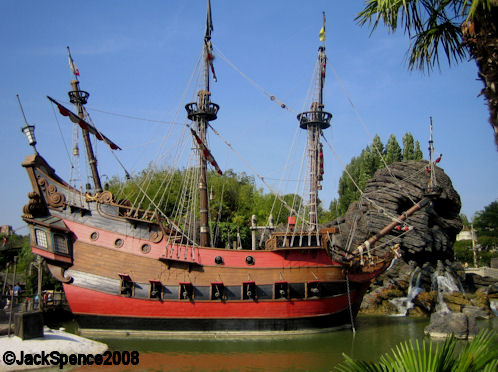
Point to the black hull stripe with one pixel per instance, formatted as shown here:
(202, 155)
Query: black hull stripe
(106, 325)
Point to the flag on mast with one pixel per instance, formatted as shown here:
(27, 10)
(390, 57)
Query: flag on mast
(322, 30)
(72, 65)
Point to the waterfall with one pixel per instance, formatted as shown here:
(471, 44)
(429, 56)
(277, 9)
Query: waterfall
(403, 304)
(493, 304)
(444, 283)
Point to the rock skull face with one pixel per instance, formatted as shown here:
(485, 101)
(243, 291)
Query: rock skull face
(427, 235)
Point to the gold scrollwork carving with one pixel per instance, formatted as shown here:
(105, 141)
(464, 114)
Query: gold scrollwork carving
(102, 197)
(106, 197)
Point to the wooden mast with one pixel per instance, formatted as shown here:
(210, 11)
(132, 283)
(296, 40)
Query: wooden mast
(314, 121)
(202, 112)
(79, 98)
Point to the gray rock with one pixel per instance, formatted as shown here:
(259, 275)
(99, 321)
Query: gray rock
(476, 312)
(391, 192)
(444, 324)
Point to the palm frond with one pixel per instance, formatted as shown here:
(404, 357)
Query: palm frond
(479, 354)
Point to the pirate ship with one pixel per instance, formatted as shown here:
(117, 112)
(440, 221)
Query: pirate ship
(131, 269)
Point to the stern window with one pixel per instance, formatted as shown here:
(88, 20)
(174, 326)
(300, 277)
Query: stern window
(60, 244)
(41, 238)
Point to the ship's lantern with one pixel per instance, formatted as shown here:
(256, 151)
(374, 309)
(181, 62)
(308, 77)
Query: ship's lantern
(281, 290)
(217, 291)
(156, 289)
(29, 132)
(186, 291)
(248, 290)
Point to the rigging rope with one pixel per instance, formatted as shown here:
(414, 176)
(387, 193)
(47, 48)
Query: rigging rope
(62, 136)
(253, 83)
(365, 127)
(292, 210)
(349, 303)
(362, 194)
(134, 117)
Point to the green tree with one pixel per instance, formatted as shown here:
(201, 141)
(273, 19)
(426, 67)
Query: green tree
(378, 151)
(487, 219)
(418, 155)
(454, 28)
(362, 168)
(486, 227)
(393, 150)
(408, 147)
(463, 251)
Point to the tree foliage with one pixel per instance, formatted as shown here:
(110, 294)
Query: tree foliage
(25, 271)
(434, 26)
(361, 168)
(487, 219)
(480, 354)
(234, 198)
(451, 28)
(486, 227)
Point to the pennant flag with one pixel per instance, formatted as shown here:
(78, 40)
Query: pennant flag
(72, 65)
(322, 30)
(210, 58)
(206, 152)
(84, 125)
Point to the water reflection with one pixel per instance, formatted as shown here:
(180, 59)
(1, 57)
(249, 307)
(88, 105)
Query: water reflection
(318, 352)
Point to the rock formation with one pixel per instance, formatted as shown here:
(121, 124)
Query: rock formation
(425, 280)
(391, 192)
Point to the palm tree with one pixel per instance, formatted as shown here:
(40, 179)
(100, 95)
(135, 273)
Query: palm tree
(478, 355)
(456, 28)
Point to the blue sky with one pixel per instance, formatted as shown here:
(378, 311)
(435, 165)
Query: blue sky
(136, 58)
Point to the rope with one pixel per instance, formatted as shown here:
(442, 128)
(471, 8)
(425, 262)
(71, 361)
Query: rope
(365, 127)
(362, 194)
(253, 83)
(292, 210)
(62, 136)
(349, 303)
(135, 117)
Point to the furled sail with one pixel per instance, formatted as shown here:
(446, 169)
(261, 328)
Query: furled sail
(206, 152)
(84, 124)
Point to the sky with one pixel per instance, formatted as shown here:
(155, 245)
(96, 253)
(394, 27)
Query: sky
(136, 60)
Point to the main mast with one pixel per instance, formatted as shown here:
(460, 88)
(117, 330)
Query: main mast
(79, 98)
(314, 121)
(202, 112)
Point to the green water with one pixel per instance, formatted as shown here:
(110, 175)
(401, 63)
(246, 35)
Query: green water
(374, 336)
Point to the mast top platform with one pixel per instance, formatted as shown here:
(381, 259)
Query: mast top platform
(203, 108)
(320, 119)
